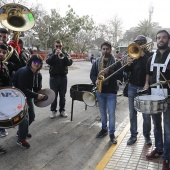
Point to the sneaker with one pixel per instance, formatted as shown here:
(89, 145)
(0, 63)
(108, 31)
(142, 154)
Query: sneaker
(154, 154)
(63, 114)
(2, 151)
(148, 141)
(165, 165)
(131, 140)
(53, 114)
(113, 140)
(102, 133)
(3, 133)
(24, 144)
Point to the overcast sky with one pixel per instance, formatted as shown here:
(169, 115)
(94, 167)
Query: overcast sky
(131, 12)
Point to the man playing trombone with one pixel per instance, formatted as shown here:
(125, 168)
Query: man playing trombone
(137, 69)
(107, 89)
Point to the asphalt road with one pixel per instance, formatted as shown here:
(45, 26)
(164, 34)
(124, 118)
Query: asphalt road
(61, 144)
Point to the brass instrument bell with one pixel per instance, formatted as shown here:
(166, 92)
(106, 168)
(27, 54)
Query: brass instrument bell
(16, 17)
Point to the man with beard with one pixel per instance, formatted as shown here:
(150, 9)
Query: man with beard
(158, 69)
(106, 96)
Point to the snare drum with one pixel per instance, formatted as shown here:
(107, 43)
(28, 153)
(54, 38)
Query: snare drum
(13, 107)
(150, 104)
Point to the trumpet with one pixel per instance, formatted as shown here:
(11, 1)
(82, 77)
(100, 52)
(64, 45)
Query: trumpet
(61, 56)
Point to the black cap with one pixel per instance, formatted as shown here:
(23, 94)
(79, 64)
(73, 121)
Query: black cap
(140, 38)
(3, 30)
(3, 46)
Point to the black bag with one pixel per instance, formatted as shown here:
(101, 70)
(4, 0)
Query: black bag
(125, 90)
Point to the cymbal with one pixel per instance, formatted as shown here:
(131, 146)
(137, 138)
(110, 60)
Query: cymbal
(48, 99)
(160, 83)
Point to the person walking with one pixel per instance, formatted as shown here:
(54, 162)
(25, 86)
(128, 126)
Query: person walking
(58, 61)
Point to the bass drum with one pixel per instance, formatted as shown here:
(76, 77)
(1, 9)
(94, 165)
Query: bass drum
(13, 108)
(150, 104)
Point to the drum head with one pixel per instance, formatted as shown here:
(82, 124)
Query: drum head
(150, 97)
(12, 102)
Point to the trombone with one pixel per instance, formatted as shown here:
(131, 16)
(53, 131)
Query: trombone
(134, 51)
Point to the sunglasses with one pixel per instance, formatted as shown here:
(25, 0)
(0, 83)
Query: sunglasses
(58, 46)
(36, 62)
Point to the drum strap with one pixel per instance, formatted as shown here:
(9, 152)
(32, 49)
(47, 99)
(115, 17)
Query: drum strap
(158, 66)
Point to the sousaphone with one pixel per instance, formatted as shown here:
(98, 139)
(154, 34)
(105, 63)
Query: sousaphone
(16, 17)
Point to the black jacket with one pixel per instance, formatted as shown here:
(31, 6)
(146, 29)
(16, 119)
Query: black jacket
(137, 70)
(58, 67)
(4, 75)
(14, 62)
(28, 82)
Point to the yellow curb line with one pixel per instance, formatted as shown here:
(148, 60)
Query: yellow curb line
(102, 164)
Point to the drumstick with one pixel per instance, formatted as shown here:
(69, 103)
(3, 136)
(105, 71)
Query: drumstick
(165, 79)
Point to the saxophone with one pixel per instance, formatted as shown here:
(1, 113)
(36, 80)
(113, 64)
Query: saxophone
(100, 77)
(9, 53)
(10, 50)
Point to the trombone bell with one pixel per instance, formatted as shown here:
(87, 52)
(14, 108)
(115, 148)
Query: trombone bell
(134, 51)
(16, 17)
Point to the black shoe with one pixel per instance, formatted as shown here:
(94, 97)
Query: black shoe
(148, 141)
(2, 151)
(113, 140)
(24, 144)
(102, 133)
(131, 140)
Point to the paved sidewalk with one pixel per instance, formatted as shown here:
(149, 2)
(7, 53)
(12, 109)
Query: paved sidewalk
(124, 157)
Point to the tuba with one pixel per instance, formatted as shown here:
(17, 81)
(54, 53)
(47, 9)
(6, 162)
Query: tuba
(16, 18)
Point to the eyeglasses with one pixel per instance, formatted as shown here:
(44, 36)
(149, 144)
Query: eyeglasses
(36, 62)
(58, 46)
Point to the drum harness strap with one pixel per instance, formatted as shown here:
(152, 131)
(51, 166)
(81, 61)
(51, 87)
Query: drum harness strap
(158, 65)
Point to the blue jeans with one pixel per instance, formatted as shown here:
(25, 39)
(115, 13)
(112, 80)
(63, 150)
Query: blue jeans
(107, 102)
(59, 86)
(166, 114)
(132, 89)
(23, 128)
(157, 122)
(31, 111)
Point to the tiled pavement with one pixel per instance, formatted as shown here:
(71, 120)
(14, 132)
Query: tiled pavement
(124, 157)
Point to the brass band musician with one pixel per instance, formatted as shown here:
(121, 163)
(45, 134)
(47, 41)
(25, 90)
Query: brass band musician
(136, 69)
(4, 80)
(107, 90)
(158, 68)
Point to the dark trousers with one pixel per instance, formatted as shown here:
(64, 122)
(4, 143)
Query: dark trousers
(59, 86)
(23, 127)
